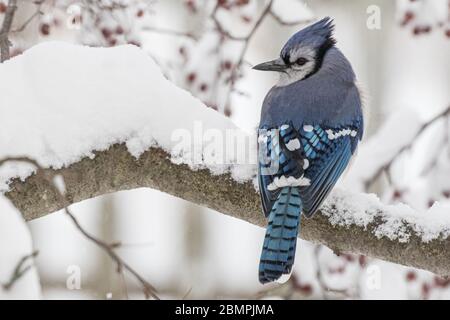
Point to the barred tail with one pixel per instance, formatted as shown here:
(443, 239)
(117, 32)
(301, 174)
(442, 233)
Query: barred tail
(278, 251)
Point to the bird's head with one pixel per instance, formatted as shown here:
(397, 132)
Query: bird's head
(302, 55)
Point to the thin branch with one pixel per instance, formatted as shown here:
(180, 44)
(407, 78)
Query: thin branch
(20, 270)
(267, 11)
(37, 13)
(286, 23)
(386, 167)
(148, 289)
(5, 30)
(320, 279)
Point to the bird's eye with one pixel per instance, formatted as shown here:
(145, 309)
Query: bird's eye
(301, 61)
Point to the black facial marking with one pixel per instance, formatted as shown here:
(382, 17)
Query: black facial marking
(286, 58)
(328, 43)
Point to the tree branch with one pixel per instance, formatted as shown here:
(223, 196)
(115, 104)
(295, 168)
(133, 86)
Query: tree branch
(116, 169)
(60, 195)
(6, 28)
(20, 270)
(386, 166)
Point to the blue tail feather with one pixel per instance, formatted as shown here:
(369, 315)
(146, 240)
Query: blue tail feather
(278, 251)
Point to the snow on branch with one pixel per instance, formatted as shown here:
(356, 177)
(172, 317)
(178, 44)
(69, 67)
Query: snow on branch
(107, 120)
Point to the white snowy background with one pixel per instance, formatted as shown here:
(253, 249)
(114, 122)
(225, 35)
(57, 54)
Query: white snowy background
(179, 247)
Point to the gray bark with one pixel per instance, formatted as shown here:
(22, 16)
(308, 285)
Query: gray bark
(115, 170)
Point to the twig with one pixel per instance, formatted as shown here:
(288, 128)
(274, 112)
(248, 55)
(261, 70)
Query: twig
(286, 23)
(324, 287)
(19, 270)
(148, 289)
(386, 167)
(6, 28)
(246, 39)
(38, 12)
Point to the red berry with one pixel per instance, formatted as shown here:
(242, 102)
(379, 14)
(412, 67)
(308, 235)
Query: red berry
(227, 65)
(306, 289)
(106, 33)
(411, 276)
(348, 257)
(44, 29)
(203, 87)
(425, 290)
(426, 29)
(242, 2)
(441, 282)
(119, 30)
(407, 17)
(140, 13)
(362, 261)
(2, 7)
(112, 42)
(191, 5)
(191, 77)
(397, 195)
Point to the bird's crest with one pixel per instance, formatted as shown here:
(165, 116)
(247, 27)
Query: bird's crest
(315, 35)
(322, 28)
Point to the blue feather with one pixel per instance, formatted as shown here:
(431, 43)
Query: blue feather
(278, 252)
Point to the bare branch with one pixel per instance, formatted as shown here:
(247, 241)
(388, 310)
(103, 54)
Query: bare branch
(320, 278)
(5, 30)
(37, 13)
(267, 11)
(20, 270)
(386, 167)
(48, 176)
(286, 23)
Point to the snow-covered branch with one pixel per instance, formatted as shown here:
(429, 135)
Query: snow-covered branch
(152, 134)
(391, 233)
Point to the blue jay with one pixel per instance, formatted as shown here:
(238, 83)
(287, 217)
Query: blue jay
(311, 123)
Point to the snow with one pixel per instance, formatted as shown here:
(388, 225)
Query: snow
(398, 222)
(291, 11)
(80, 99)
(119, 95)
(15, 243)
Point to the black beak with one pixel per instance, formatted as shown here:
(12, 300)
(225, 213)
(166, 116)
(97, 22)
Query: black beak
(274, 65)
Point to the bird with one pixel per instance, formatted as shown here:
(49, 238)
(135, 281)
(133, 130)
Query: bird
(311, 124)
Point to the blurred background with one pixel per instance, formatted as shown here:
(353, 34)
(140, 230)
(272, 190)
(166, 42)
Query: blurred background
(400, 53)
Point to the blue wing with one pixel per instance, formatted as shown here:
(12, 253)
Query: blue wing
(310, 157)
(277, 161)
